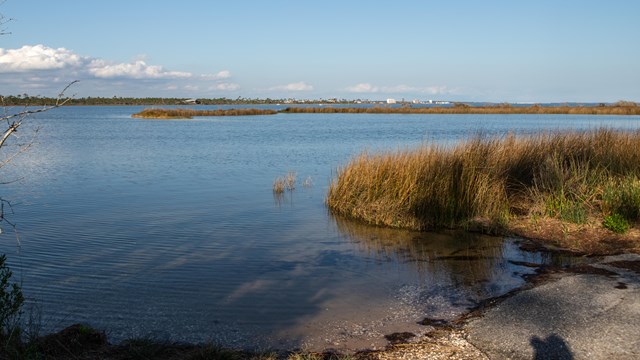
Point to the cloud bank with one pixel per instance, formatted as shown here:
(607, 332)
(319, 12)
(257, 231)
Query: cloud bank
(39, 66)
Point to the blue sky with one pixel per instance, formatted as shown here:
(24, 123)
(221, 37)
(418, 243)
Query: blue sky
(516, 51)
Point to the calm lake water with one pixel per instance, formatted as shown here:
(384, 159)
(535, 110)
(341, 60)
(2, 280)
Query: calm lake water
(170, 229)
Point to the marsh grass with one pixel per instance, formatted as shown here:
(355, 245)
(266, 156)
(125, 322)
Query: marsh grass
(190, 113)
(619, 108)
(285, 183)
(491, 180)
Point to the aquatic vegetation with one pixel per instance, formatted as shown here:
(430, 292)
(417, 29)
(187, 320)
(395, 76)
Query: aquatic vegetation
(286, 182)
(486, 182)
(190, 113)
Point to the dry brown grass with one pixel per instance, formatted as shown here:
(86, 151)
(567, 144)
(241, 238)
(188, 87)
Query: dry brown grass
(489, 182)
(190, 113)
(287, 182)
(620, 108)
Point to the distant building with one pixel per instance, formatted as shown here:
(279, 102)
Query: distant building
(391, 101)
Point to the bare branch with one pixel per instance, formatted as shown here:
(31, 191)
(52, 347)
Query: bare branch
(13, 123)
(13, 126)
(3, 21)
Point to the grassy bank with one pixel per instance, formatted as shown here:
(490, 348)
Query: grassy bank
(619, 108)
(578, 189)
(190, 113)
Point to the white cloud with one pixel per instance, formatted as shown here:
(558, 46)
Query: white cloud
(299, 86)
(42, 58)
(37, 57)
(43, 67)
(136, 70)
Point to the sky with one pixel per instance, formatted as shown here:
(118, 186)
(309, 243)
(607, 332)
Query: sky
(458, 50)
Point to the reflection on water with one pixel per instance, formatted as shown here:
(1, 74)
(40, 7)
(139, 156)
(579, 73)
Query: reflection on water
(479, 264)
(464, 257)
(443, 276)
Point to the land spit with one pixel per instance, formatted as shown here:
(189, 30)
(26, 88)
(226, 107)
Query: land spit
(620, 108)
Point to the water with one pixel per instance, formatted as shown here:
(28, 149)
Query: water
(170, 229)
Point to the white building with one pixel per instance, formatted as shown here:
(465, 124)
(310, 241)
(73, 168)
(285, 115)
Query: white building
(391, 101)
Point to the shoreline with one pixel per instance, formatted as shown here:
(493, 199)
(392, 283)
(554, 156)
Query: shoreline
(443, 339)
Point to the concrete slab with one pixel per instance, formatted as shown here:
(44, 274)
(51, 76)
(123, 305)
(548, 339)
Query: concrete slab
(573, 316)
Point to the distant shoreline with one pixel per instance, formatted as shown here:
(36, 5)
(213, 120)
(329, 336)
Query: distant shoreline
(26, 100)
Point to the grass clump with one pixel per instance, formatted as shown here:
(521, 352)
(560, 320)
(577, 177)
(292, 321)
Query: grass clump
(285, 183)
(616, 223)
(622, 196)
(572, 177)
(190, 113)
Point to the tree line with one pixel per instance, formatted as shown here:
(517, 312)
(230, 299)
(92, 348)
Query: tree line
(28, 100)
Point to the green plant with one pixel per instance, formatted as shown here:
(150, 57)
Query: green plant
(616, 223)
(11, 299)
(623, 197)
(566, 209)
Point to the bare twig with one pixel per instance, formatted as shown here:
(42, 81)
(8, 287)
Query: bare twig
(20, 116)
(14, 121)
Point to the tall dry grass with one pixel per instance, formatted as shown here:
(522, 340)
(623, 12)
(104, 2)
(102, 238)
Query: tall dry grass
(620, 108)
(190, 113)
(555, 174)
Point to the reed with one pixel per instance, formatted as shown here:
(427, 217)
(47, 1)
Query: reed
(190, 113)
(620, 108)
(490, 181)
(285, 183)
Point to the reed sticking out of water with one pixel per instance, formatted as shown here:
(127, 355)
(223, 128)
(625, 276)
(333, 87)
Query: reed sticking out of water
(619, 108)
(190, 113)
(287, 182)
(575, 177)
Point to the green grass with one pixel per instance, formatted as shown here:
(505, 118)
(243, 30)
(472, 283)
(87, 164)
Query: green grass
(616, 223)
(562, 175)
